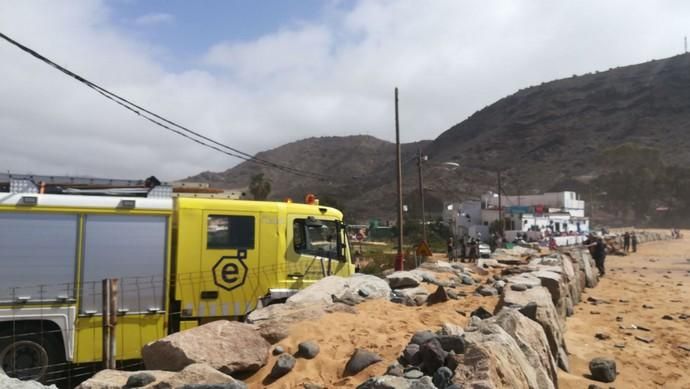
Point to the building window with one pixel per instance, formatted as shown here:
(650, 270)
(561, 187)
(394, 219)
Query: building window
(230, 232)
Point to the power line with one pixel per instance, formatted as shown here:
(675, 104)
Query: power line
(161, 121)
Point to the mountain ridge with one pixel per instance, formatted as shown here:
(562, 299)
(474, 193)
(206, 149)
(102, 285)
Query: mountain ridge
(539, 137)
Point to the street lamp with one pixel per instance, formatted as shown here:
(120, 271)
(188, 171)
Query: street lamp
(420, 160)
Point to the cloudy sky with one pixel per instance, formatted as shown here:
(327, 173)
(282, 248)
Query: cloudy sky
(258, 74)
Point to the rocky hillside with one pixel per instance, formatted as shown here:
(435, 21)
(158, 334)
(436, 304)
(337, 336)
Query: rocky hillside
(356, 166)
(540, 137)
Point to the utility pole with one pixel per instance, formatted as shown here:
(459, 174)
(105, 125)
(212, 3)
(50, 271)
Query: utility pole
(399, 260)
(500, 208)
(420, 159)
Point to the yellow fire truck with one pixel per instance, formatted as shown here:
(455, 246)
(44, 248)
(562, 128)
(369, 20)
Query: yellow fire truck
(179, 261)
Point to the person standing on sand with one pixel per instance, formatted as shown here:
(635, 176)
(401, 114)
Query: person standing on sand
(633, 238)
(626, 241)
(451, 249)
(598, 250)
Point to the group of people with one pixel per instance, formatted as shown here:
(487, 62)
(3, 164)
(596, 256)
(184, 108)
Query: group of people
(467, 247)
(630, 241)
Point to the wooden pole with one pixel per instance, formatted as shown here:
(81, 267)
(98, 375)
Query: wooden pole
(106, 323)
(109, 318)
(421, 192)
(114, 289)
(399, 261)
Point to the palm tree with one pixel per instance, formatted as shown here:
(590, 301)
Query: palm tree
(259, 187)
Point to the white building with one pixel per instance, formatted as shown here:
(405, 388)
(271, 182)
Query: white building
(557, 213)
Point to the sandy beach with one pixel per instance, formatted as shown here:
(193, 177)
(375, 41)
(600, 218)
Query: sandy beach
(657, 276)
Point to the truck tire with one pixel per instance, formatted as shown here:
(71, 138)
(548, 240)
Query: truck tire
(30, 357)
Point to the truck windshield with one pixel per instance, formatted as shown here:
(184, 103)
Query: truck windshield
(319, 237)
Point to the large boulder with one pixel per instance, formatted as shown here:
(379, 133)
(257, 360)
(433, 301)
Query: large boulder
(194, 374)
(586, 262)
(557, 287)
(393, 382)
(230, 347)
(14, 383)
(493, 359)
(411, 296)
(545, 314)
(288, 313)
(360, 360)
(404, 279)
(528, 279)
(531, 339)
(322, 292)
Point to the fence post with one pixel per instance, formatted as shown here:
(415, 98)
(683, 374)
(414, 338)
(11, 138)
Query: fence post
(110, 292)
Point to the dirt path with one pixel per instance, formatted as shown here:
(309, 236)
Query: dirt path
(658, 275)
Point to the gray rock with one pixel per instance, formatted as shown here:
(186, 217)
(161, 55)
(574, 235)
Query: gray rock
(274, 331)
(195, 374)
(532, 341)
(309, 385)
(14, 383)
(546, 315)
(321, 292)
(530, 310)
(466, 280)
(411, 354)
(395, 370)
(485, 291)
(284, 365)
(410, 296)
(403, 279)
(453, 360)
(603, 369)
(518, 287)
(439, 296)
(453, 294)
(229, 385)
(499, 285)
(413, 374)
(360, 360)
(451, 329)
(421, 337)
(138, 380)
(493, 359)
(348, 297)
(481, 313)
(452, 343)
(230, 347)
(433, 356)
(442, 377)
(308, 349)
(392, 382)
(278, 350)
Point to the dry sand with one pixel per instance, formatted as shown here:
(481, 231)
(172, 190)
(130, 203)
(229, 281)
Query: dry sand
(656, 275)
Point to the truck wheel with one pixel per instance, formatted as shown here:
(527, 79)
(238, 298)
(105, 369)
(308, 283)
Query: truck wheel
(28, 358)
(24, 359)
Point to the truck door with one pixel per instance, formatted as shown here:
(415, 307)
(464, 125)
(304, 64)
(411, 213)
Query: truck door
(230, 262)
(133, 249)
(315, 250)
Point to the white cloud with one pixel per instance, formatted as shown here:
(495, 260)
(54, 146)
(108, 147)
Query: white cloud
(333, 76)
(154, 19)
